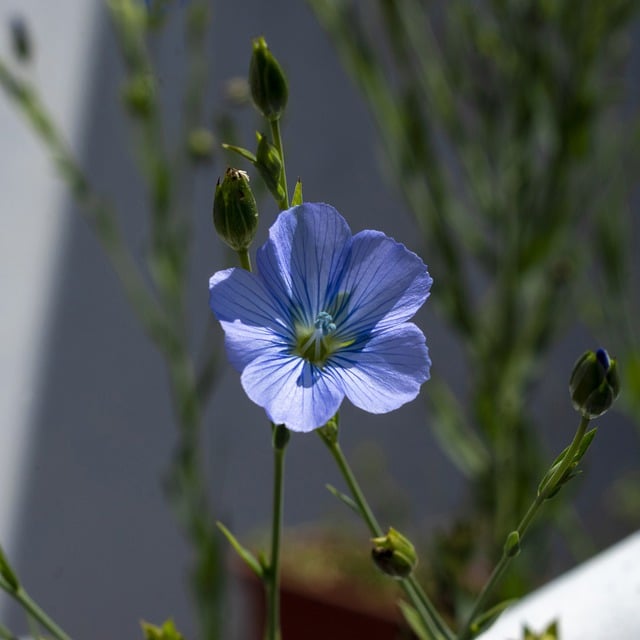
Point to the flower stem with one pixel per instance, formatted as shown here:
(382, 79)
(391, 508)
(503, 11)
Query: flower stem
(272, 576)
(277, 141)
(245, 259)
(32, 608)
(428, 614)
(466, 632)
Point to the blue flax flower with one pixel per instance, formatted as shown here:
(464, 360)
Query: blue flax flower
(324, 317)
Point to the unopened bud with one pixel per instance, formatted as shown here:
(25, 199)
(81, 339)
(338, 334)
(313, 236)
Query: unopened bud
(138, 95)
(267, 81)
(394, 555)
(269, 164)
(235, 213)
(7, 572)
(594, 383)
(200, 144)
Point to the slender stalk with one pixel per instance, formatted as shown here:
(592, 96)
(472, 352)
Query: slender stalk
(277, 141)
(245, 259)
(428, 614)
(272, 581)
(32, 608)
(544, 492)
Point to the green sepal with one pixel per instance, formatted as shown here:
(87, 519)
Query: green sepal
(550, 633)
(167, 631)
(245, 153)
(250, 560)
(486, 619)
(571, 471)
(7, 572)
(297, 194)
(414, 621)
(343, 497)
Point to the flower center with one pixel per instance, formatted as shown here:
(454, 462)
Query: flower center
(316, 343)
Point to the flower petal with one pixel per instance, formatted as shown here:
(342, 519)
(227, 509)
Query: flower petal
(292, 391)
(252, 320)
(305, 256)
(388, 372)
(385, 282)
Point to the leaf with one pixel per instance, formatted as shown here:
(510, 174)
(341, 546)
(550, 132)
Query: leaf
(486, 619)
(297, 194)
(245, 153)
(414, 621)
(244, 553)
(345, 498)
(456, 437)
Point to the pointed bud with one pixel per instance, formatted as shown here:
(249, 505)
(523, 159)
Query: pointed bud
(267, 81)
(594, 383)
(235, 213)
(394, 555)
(512, 545)
(269, 165)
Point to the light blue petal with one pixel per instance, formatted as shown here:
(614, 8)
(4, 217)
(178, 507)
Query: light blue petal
(305, 257)
(292, 391)
(388, 372)
(253, 322)
(385, 284)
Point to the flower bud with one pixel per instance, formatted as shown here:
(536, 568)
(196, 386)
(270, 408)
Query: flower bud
(594, 383)
(235, 213)
(269, 165)
(394, 555)
(200, 145)
(7, 572)
(267, 81)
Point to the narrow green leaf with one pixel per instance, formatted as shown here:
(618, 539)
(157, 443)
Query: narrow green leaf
(297, 194)
(244, 553)
(459, 441)
(413, 620)
(245, 153)
(486, 619)
(345, 498)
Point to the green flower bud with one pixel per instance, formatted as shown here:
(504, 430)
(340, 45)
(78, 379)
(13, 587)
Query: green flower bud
(7, 572)
(267, 81)
(512, 545)
(394, 555)
(594, 383)
(138, 95)
(269, 164)
(235, 213)
(200, 145)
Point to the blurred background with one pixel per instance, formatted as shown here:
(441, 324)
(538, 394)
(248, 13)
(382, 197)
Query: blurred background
(88, 426)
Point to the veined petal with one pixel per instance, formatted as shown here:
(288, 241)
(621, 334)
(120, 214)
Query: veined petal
(305, 257)
(387, 372)
(385, 282)
(292, 391)
(252, 320)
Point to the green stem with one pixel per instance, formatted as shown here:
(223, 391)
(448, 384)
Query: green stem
(272, 579)
(543, 493)
(32, 608)
(277, 141)
(245, 259)
(428, 614)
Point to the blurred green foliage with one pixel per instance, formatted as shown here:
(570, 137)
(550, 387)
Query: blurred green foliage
(505, 130)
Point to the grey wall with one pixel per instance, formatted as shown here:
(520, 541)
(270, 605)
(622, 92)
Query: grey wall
(97, 543)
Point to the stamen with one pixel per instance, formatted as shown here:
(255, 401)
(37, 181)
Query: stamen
(315, 345)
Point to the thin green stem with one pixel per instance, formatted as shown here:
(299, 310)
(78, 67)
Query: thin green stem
(33, 609)
(272, 578)
(245, 259)
(277, 141)
(428, 614)
(544, 492)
